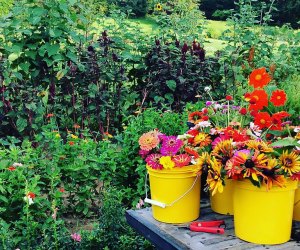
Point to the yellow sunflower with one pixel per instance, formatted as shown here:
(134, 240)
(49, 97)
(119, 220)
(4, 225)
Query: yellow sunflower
(290, 162)
(158, 7)
(260, 146)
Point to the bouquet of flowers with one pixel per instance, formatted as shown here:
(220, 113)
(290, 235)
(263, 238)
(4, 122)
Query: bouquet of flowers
(167, 152)
(248, 141)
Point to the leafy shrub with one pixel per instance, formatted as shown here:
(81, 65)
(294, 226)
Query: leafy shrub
(5, 6)
(177, 73)
(178, 19)
(52, 72)
(136, 8)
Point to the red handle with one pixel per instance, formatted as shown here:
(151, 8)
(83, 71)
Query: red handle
(213, 230)
(213, 223)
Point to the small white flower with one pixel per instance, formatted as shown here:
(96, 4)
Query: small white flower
(184, 136)
(28, 199)
(193, 161)
(217, 106)
(255, 129)
(297, 129)
(16, 164)
(207, 89)
(204, 124)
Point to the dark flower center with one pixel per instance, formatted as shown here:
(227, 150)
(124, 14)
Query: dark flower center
(224, 159)
(269, 172)
(288, 161)
(205, 167)
(249, 163)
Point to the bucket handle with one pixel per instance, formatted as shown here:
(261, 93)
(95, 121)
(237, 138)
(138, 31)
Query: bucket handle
(163, 205)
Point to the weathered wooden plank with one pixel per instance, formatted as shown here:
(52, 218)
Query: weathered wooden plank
(181, 238)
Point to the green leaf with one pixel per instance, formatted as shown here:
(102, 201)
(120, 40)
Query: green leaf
(171, 84)
(55, 32)
(286, 142)
(3, 199)
(4, 163)
(72, 56)
(60, 74)
(52, 49)
(45, 97)
(21, 124)
(13, 56)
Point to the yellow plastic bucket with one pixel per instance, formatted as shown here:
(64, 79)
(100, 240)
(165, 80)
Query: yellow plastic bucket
(296, 215)
(261, 216)
(222, 203)
(179, 190)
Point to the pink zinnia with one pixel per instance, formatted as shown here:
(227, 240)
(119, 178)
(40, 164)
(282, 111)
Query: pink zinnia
(182, 160)
(170, 145)
(76, 237)
(153, 161)
(143, 153)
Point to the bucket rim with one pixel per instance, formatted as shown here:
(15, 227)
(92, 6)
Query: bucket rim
(186, 169)
(247, 184)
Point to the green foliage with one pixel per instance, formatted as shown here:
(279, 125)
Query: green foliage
(135, 8)
(179, 19)
(292, 88)
(177, 73)
(286, 10)
(52, 72)
(63, 172)
(39, 40)
(5, 6)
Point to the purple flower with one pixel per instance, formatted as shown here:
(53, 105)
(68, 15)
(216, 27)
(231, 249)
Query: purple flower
(170, 145)
(153, 161)
(208, 103)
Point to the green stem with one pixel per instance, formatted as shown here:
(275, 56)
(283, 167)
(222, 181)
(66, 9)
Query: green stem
(227, 113)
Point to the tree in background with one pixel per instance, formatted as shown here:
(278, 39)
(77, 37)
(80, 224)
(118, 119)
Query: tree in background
(287, 10)
(136, 8)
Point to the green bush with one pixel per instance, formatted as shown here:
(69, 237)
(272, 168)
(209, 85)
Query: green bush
(5, 6)
(135, 8)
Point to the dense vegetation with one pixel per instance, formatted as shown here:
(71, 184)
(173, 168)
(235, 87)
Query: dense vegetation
(80, 82)
(285, 11)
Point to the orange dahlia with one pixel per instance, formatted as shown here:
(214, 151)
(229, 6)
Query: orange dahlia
(263, 120)
(258, 99)
(149, 140)
(278, 98)
(259, 78)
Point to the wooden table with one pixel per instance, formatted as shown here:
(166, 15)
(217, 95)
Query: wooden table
(167, 236)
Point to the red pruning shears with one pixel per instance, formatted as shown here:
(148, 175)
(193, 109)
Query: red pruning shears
(214, 227)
